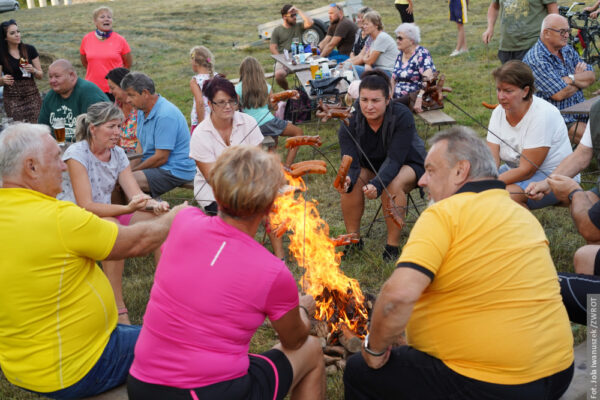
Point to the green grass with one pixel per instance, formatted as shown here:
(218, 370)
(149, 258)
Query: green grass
(161, 34)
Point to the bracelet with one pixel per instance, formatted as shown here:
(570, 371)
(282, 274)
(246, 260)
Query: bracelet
(371, 352)
(305, 309)
(570, 196)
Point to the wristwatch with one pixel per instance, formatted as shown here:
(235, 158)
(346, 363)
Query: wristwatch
(570, 196)
(572, 78)
(371, 352)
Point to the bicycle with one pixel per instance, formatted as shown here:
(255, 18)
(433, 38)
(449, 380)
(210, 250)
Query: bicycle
(586, 39)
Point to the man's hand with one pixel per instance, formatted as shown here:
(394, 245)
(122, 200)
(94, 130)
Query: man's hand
(594, 15)
(487, 35)
(580, 67)
(537, 190)
(370, 191)
(376, 362)
(561, 186)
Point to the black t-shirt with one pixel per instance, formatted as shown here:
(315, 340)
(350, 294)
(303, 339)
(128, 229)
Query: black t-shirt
(13, 67)
(345, 29)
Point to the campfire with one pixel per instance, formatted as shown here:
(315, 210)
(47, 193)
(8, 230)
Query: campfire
(342, 310)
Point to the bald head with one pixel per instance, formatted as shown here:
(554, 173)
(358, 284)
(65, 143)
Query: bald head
(555, 32)
(62, 77)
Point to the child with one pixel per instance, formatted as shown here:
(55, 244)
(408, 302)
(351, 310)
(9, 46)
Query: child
(458, 14)
(254, 91)
(203, 63)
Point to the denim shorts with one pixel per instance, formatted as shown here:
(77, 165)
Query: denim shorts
(110, 370)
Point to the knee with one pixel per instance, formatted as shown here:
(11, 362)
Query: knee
(584, 260)
(313, 350)
(280, 74)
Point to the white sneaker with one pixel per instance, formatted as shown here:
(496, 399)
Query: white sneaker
(458, 52)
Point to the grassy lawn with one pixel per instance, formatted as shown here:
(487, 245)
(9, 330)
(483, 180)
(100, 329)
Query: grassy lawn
(162, 32)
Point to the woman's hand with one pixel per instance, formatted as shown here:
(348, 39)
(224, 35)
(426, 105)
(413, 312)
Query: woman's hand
(29, 68)
(370, 191)
(309, 302)
(138, 202)
(8, 80)
(344, 188)
(418, 107)
(158, 207)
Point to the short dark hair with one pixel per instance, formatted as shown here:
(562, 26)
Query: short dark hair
(375, 79)
(218, 82)
(117, 74)
(286, 8)
(517, 73)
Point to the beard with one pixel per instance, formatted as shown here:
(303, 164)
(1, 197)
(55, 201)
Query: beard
(430, 202)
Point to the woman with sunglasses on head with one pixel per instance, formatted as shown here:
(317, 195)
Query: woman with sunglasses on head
(413, 67)
(20, 64)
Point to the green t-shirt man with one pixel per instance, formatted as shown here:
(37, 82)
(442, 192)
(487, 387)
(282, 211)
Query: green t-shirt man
(520, 22)
(54, 106)
(283, 36)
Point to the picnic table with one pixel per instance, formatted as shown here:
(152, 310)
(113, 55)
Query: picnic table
(302, 73)
(581, 108)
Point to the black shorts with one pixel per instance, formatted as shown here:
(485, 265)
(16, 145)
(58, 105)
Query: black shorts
(269, 377)
(574, 289)
(412, 374)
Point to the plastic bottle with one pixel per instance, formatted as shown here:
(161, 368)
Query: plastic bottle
(294, 49)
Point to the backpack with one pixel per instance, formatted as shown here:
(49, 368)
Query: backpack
(298, 111)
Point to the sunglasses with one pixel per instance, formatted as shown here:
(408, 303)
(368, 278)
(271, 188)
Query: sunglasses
(292, 15)
(399, 38)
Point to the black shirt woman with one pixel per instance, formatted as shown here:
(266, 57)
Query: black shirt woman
(21, 65)
(387, 156)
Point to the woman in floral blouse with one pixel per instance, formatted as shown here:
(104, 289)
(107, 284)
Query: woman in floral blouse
(414, 65)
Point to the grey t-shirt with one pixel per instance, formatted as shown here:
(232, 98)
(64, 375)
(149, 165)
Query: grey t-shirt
(384, 44)
(520, 22)
(102, 175)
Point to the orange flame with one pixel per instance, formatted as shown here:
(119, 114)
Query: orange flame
(336, 294)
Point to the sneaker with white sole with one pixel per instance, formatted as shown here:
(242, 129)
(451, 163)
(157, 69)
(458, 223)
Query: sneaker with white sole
(458, 52)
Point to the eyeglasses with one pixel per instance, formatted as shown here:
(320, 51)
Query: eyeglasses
(399, 38)
(222, 104)
(561, 32)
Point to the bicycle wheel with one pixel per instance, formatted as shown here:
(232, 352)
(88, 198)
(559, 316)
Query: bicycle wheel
(592, 50)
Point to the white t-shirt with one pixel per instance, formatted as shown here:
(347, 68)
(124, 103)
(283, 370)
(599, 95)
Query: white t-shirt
(586, 139)
(207, 145)
(200, 78)
(542, 126)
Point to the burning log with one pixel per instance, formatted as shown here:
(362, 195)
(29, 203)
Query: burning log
(329, 360)
(334, 351)
(349, 340)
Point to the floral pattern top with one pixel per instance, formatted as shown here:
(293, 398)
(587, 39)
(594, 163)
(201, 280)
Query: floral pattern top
(409, 75)
(128, 131)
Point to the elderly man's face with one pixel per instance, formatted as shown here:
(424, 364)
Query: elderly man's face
(62, 81)
(553, 38)
(438, 175)
(136, 99)
(51, 167)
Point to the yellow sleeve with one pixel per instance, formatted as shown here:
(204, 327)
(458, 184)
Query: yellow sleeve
(84, 233)
(429, 240)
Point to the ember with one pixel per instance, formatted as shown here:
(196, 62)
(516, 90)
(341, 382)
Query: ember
(340, 302)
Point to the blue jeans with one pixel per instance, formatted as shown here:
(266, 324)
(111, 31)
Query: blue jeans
(339, 58)
(110, 371)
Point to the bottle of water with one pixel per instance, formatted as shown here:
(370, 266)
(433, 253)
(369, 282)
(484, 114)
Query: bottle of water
(294, 48)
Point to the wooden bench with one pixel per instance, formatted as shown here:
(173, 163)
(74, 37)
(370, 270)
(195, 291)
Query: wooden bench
(435, 118)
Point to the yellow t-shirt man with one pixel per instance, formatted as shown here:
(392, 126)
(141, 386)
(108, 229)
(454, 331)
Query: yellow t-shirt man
(57, 309)
(493, 311)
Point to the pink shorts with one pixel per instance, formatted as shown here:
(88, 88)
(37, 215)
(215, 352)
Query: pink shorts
(124, 219)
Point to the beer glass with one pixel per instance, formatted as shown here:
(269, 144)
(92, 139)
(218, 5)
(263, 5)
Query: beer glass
(59, 130)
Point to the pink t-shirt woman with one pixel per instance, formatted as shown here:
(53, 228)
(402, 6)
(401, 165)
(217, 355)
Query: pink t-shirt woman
(213, 288)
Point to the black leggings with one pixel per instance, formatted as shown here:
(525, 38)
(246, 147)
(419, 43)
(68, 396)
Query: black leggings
(412, 374)
(404, 15)
(574, 289)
